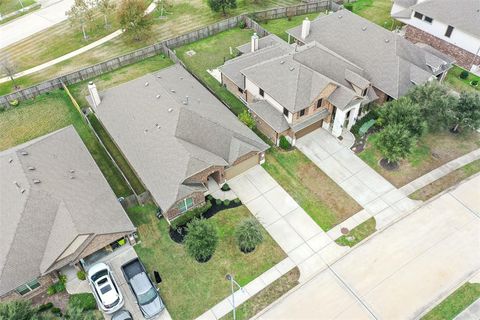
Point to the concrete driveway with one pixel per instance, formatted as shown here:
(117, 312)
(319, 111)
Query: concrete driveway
(401, 271)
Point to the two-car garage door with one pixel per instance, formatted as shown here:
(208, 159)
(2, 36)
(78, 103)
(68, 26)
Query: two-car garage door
(241, 167)
(310, 128)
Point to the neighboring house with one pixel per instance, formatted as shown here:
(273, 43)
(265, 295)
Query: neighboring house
(451, 26)
(339, 63)
(55, 208)
(176, 136)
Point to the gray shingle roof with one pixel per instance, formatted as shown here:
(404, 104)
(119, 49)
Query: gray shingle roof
(270, 115)
(386, 58)
(168, 140)
(264, 42)
(38, 224)
(461, 14)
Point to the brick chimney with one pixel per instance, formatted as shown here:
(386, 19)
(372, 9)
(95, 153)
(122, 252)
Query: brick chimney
(305, 28)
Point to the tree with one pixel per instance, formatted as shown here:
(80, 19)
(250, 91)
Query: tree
(217, 5)
(132, 18)
(105, 7)
(9, 67)
(247, 119)
(466, 113)
(395, 142)
(435, 102)
(248, 235)
(403, 112)
(201, 240)
(81, 13)
(18, 310)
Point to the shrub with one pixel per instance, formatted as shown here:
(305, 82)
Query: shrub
(51, 290)
(226, 202)
(62, 278)
(237, 201)
(190, 215)
(464, 74)
(474, 83)
(248, 235)
(57, 312)
(201, 240)
(218, 202)
(241, 24)
(209, 197)
(13, 103)
(45, 306)
(225, 187)
(372, 115)
(81, 275)
(84, 301)
(247, 119)
(284, 143)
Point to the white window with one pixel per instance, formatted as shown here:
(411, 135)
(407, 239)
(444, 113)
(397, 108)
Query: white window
(185, 205)
(27, 287)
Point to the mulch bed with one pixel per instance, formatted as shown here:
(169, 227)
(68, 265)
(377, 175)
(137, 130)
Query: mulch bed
(178, 235)
(59, 300)
(390, 166)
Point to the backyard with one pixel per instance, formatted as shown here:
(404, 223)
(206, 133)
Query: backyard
(314, 191)
(189, 288)
(453, 80)
(377, 11)
(432, 151)
(50, 112)
(280, 26)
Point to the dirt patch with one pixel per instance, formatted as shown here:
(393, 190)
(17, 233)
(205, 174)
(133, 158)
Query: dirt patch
(59, 300)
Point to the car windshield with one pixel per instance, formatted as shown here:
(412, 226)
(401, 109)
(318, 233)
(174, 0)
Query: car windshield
(99, 274)
(148, 296)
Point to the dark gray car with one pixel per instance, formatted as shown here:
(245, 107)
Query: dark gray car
(122, 315)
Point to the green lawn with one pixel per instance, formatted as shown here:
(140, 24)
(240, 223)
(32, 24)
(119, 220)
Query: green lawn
(190, 288)
(453, 80)
(314, 191)
(280, 26)
(358, 233)
(432, 151)
(50, 112)
(7, 6)
(377, 11)
(211, 53)
(455, 303)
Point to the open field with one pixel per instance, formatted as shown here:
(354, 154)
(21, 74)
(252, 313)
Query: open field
(432, 151)
(190, 288)
(310, 187)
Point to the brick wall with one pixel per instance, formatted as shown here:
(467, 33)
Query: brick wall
(45, 281)
(198, 200)
(265, 128)
(202, 176)
(463, 58)
(313, 106)
(233, 88)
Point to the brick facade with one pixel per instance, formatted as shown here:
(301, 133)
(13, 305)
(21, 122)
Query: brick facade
(45, 281)
(217, 172)
(312, 108)
(233, 88)
(463, 58)
(198, 200)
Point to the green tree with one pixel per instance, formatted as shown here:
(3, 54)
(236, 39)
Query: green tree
(247, 119)
(105, 7)
(201, 239)
(132, 18)
(81, 13)
(435, 102)
(217, 5)
(17, 310)
(403, 112)
(248, 235)
(466, 113)
(395, 142)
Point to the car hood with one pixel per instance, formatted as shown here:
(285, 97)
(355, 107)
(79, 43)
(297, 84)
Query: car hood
(153, 308)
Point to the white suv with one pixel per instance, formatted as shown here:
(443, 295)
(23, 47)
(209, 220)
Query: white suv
(105, 289)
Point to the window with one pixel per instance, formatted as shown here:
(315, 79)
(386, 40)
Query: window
(285, 112)
(449, 31)
(418, 15)
(27, 287)
(260, 91)
(319, 103)
(240, 90)
(428, 19)
(185, 205)
(302, 113)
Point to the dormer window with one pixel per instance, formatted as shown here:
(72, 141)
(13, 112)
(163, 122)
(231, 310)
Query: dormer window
(285, 112)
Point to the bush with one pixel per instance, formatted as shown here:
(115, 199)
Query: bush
(225, 187)
(474, 83)
(62, 278)
(13, 103)
(218, 202)
(247, 119)
(57, 312)
(284, 143)
(45, 306)
(242, 24)
(237, 201)
(84, 301)
(201, 240)
(226, 203)
(81, 275)
(209, 197)
(248, 235)
(464, 74)
(190, 215)
(372, 115)
(51, 290)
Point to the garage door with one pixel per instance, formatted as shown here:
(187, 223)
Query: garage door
(308, 129)
(241, 167)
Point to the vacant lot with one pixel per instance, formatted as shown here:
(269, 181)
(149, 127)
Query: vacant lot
(314, 191)
(432, 151)
(51, 112)
(190, 288)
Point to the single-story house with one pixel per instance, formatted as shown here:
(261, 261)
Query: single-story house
(56, 208)
(338, 63)
(451, 26)
(176, 136)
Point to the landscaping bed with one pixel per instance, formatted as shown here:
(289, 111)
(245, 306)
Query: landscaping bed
(310, 187)
(190, 288)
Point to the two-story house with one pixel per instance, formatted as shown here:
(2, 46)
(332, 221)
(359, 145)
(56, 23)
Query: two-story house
(451, 26)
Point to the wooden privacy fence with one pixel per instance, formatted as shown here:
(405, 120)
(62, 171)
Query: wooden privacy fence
(163, 48)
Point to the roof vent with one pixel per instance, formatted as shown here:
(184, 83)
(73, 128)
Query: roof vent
(72, 177)
(157, 125)
(181, 78)
(72, 171)
(146, 130)
(10, 160)
(157, 96)
(282, 62)
(36, 181)
(22, 190)
(24, 153)
(340, 16)
(159, 76)
(172, 91)
(364, 28)
(292, 68)
(146, 84)
(170, 109)
(31, 168)
(387, 41)
(16, 183)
